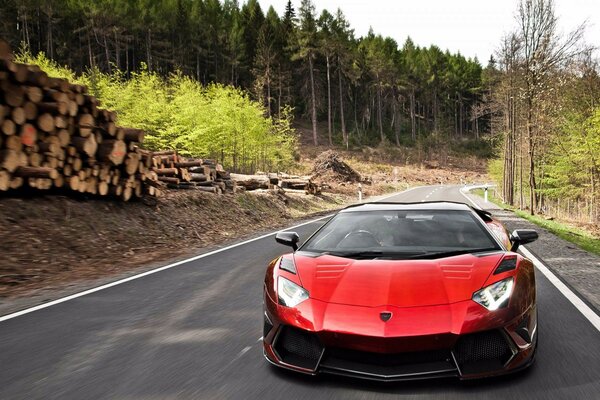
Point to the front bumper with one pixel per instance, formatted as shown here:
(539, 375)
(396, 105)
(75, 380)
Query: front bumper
(481, 347)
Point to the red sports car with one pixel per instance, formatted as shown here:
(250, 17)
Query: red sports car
(391, 291)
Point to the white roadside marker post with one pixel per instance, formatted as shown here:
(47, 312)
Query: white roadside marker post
(360, 193)
(486, 194)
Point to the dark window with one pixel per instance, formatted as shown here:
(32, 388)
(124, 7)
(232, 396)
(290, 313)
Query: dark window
(402, 234)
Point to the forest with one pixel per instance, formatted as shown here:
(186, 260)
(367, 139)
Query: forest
(536, 98)
(368, 89)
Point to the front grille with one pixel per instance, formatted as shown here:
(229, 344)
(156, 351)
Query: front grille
(481, 352)
(298, 347)
(380, 366)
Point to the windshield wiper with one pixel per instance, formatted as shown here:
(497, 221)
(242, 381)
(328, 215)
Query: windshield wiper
(443, 254)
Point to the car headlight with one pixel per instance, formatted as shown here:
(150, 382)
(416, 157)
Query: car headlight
(290, 294)
(496, 295)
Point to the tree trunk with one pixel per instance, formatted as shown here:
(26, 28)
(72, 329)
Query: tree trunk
(329, 100)
(342, 118)
(379, 112)
(413, 122)
(313, 100)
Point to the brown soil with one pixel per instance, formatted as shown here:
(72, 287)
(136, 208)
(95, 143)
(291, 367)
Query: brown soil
(54, 242)
(329, 167)
(51, 241)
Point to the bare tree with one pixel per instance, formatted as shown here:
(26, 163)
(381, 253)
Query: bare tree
(544, 49)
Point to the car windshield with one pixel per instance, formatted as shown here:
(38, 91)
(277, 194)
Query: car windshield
(402, 234)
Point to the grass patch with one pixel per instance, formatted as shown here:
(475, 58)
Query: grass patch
(563, 230)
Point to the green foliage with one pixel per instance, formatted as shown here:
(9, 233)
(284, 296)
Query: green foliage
(214, 121)
(570, 233)
(228, 42)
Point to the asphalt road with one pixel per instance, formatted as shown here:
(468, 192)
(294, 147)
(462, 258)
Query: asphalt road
(192, 332)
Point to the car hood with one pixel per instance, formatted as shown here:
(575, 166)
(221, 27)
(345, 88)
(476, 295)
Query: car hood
(400, 283)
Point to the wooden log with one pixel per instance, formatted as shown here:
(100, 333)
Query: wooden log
(33, 93)
(28, 135)
(168, 179)
(31, 110)
(67, 170)
(57, 107)
(87, 145)
(132, 134)
(86, 123)
(59, 181)
(132, 163)
(16, 182)
(18, 115)
(77, 164)
(14, 95)
(167, 171)
(20, 72)
(103, 188)
(64, 137)
(35, 76)
(113, 151)
(49, 146)
(9, 127)
(34, 159)
(9, 160)
(13, 143)
(5, 180)
(115, 190)
(74, 183)
(127, 193)
(36, 172)
(72, 108)
(198, 177)
(164, 153)
(188, 164)
(226, 175)
(59, 84)
(45, 122)
(61, 122)
(251, 182)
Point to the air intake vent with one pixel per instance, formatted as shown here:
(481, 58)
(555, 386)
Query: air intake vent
(508, 264)
(299, 348)
(481, 352)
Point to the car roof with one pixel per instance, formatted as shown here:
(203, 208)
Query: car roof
(397, 206)
(422, 205)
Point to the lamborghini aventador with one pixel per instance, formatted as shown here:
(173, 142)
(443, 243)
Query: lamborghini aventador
(391, 291)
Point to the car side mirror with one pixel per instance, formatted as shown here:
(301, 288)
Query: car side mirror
(522, 236)
(288, 239)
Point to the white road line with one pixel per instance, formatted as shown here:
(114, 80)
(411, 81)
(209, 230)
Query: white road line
(468, 198)
(564, 289)
(138, 276)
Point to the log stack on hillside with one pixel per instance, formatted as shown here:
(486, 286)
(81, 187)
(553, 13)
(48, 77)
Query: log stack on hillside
(53, 134)
(275, 180)
(173, 171)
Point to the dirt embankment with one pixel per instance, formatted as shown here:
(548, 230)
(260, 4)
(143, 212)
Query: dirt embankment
(51, 241)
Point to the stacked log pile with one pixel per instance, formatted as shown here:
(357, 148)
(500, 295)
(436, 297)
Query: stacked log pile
(276, 181)
(172, 171)
(53, 134)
